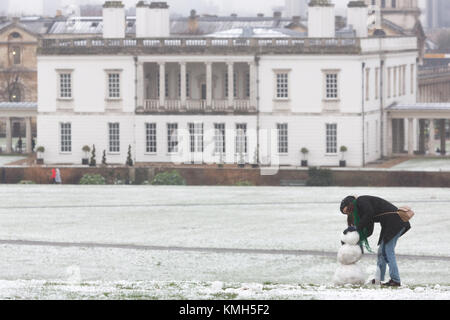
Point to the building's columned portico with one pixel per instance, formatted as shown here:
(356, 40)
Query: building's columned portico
(18, 111)
(413, 128)
(194, 85)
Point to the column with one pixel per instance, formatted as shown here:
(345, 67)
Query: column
(140, 86)
(28, 134)
(183, 92)
(209, 84)
(422, 136)
(253, 85)
(389, 137)
(162, 84)
(410, 136)
(8, 135)
(230, 85)
(431, 146)
(442, 136)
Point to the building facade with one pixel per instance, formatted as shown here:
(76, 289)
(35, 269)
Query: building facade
(236, 98)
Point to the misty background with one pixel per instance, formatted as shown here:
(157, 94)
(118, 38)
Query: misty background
(179, 7)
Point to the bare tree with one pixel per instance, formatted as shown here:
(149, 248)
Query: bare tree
(10, 85)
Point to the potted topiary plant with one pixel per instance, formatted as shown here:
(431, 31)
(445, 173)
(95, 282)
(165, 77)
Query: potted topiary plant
(342, 162)
(104, 158)
(40, 155)
(85, 159)
(304, 152)
(129, 157)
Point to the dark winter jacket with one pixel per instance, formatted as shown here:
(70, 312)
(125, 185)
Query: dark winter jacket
(391, 224)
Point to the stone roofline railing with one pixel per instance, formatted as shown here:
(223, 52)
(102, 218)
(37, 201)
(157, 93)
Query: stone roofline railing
(53, 46)
(433, 72)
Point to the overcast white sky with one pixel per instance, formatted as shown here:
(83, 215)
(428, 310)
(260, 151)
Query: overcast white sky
(224, 7)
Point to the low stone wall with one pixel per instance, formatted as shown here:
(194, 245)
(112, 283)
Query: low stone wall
(212, 176)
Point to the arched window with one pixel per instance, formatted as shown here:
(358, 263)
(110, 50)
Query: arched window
(14, 36)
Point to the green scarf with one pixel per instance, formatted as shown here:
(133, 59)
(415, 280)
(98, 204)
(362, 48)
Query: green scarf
(364, 232)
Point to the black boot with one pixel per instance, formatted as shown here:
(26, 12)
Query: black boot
(392, 283)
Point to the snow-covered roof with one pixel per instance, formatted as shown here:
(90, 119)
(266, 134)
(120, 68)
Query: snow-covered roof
(248, 32)
(432, 106)
(18, 105)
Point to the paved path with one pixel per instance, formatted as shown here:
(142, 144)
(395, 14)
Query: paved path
(197, 249)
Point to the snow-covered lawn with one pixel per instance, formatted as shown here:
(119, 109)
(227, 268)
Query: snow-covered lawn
(272, 218)
(424, 164)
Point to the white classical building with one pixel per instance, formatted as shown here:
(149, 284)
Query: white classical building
(257, 95)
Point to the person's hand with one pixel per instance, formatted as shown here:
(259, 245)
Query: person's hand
(349, 229)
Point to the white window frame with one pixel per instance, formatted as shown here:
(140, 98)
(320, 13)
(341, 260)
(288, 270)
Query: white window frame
(367, 84)
(331, 139)
(65, 137)
(68, 91)
(283, 138)
(151, 142)
(110, 95)
(241, 139)
(219, 138)
(172, 138)
(196, 137)
(113, 137)
(327, 89)
(282, 89)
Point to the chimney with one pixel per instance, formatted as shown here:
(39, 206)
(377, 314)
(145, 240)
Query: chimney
(152, 20)
(141, 19)
(357, 16)
(296, 20)
(260, 15)
(321, 19)
(277, 15)
(193, 22)
(114, 22)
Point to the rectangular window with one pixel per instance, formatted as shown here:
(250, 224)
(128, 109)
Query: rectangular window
(150, 137)
(196, 137)
(16, 56)
(404, 80)
(331, 138)
(247, 85)
(114, 137)
(377, 82)
(395, 82)
(331, 86)
(282, 85)
(187, 84)
(389, 82)
(241, 138)
(413, 67)
(65, 85)
(219, 137)
(172, 137)
(113, 85)
(282, 129)
(66, 137)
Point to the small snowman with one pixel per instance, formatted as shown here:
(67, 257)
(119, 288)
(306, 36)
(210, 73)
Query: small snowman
(348, 271)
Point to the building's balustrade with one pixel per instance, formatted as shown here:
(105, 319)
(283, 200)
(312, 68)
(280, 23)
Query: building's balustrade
(220, 105)
(240, 105)
(432, 72)
(362, 44)
(196, 105)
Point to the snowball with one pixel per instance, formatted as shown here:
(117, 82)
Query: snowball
(348, 254)
(349, 274)
(351, 238)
